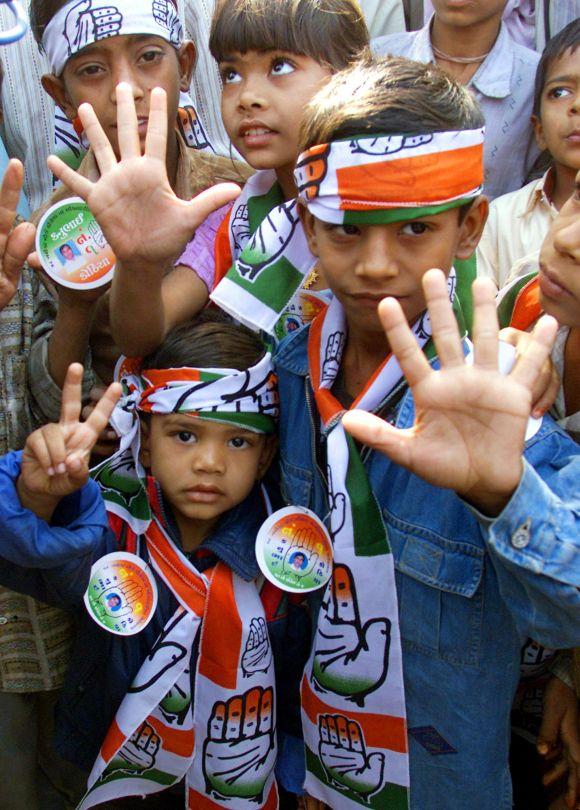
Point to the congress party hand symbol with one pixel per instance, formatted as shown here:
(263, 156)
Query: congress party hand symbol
(239, 753)
(301, 558)
(257, 656)
(85, 22)
(350, 659)
(117, 600)
(344, 756)
(138, 753)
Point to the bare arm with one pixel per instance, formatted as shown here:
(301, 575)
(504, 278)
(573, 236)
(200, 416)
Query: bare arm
(156, 304)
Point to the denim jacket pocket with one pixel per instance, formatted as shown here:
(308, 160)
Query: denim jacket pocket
(296, 484)
(439, 582)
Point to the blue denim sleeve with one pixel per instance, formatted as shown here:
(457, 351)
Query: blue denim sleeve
(50, 561)
(535, 544)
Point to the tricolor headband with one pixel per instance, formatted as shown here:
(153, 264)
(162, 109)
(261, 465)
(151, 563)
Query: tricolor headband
(390, 178)
(83, 22)
(246, 398)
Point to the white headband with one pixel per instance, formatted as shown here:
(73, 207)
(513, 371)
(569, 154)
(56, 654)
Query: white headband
(82, 22)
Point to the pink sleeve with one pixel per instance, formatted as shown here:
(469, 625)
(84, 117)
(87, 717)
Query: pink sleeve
(199, 253)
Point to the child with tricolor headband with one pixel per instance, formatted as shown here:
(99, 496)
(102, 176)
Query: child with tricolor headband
(443, 560)
(107, 55)
(273, 55)
(176, 691)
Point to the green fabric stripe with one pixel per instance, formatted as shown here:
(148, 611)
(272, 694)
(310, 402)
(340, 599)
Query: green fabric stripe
(370, 534)
(153, 775)
(251, 421)
(466, 272)
(275, 284)
(385, 216)
(260, 206)
(506, 306)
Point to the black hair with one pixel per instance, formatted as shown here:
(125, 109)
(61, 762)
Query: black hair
(568, 39)
(332, 32)
(212, 340)
(41, 13)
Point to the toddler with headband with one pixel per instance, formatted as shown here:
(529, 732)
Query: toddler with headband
(173, 685)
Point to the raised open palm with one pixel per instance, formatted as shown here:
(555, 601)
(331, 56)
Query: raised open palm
(55, 461)
(470, 420)
(141, 216)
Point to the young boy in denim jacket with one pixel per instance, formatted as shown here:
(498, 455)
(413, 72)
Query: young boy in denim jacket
(447, 501)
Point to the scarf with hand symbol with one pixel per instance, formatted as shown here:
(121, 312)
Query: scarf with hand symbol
(222, 739)
(353, 701)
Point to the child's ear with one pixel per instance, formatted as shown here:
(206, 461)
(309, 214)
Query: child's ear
(539, 132)
(145, 446)
(472, 227)
(308, 220)
(268, 452)
(55, 87)
(186, 57)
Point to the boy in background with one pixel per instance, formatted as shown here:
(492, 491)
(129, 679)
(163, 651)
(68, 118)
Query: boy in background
(519, 221)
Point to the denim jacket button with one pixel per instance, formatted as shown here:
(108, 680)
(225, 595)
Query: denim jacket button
(521, 537)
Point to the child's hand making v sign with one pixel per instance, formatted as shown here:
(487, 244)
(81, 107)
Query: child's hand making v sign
(55, 461)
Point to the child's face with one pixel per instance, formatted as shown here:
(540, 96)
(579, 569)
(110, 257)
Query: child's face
(465, 13)
(559, 275)
(203, 467)
(264, 95)
(364, 264)
(558, 127)
(144, 62)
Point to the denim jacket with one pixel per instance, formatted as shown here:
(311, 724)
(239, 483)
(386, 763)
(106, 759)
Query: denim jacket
(470, 590)
(52, 562)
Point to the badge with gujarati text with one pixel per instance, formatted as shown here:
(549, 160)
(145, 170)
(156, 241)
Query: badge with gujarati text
(294, 550)
(72, 248)
(122, 593)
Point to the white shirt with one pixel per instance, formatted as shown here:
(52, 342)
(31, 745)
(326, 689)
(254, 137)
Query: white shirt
(516, 227)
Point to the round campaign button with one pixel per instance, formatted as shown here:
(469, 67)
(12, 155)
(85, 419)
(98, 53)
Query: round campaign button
(302, 309)
(72, 248)
(294, 550)
(122, 593)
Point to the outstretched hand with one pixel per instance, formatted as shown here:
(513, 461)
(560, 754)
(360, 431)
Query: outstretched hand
(15, 245)
(55, 461)
(470, 420)
(139, 213)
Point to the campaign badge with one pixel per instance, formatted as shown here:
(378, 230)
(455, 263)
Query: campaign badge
(302, 309)
(122, 593)
(72, 248)
(294, 550)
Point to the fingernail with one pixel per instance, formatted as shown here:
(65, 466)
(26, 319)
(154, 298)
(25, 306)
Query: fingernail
(61, 468)
(538, 412)
(50, 471)
(542, 748)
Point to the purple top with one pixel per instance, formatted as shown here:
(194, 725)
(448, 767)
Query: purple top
(199, 253)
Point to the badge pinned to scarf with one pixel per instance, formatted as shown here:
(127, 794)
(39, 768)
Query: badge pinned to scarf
(122, 593)
(72, 248)
(294, 550)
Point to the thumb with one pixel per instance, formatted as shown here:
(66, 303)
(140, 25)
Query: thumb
(210, 200)
(19, 245)
(380, 435)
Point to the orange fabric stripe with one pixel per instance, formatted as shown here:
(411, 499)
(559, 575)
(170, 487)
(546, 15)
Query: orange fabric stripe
(176, 740)
(428, 178)
(527, 307)
(380, 731)
(113, 741)
(162, 376)
(222, 250)
(221, 640)
(327, 404)
(198, 801)
(188, 590)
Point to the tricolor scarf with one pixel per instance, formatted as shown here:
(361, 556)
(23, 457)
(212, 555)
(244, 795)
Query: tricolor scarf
(353, 702)
(80, 23)
(518, 305)
(361, 180)
(222, 739)
(267, 262)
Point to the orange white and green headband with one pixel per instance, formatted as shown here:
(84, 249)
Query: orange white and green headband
(390, 178)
